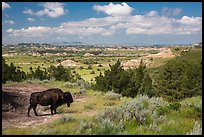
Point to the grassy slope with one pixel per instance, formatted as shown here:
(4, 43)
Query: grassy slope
(92, 103)
(179, 122)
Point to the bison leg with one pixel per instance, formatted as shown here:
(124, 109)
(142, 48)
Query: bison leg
(51, 108)
(55, 110)
(34, 108)
(29, 110)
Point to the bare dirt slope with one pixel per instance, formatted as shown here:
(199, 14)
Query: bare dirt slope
(15, 101)
(70, 63)
(164, 53)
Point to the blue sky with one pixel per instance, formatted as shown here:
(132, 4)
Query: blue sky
(102, 22)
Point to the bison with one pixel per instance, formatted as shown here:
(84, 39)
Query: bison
(54, 97)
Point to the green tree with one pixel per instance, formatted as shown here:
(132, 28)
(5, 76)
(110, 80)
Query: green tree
(5, 73)
(125, 82)
(61, 73)
(180, 77)
(136, 76)
(146, 86)
(11, 73)
(30, 75)
(38, 74)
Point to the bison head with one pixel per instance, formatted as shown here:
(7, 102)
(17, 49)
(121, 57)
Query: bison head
(68, 98)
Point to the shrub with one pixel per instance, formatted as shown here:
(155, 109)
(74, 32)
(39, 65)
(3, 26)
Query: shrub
(69, 85)
(100, 65)
(81, 91)
(191, 102)
(107, 127)
(84, 127)
(194, 104)
(45, 132)
(65, 119)
(82, 84)
(175, 105)
(162, 110)
(112, 96)
(29, 81)
(145, 113)
(197, 129)
(46, 81)
(154, 126)
(98, 93)
(81, 67)
(142, 110)
(177, 49)
(92, 72)
(89, 67)
(110, 103)
(89, 106)
(115, 113)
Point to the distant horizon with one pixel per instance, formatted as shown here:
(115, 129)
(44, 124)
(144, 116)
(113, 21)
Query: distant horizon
(82, 43)
(134, 23)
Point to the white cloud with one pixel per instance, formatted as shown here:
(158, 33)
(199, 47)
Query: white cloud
(164, 25)
(28, 11)
(30, 19)
(171, 11)
(51, 9)
(81, 31)
(6, 15)
(135, 30)
(93, 22)
(114, 9)
(152, 13)
(40, 31)
(150, 23)
(138, 24)
(10, 22)
(191, 20)
(5, 5)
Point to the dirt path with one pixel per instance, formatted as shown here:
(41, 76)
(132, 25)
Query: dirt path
(15, 101)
